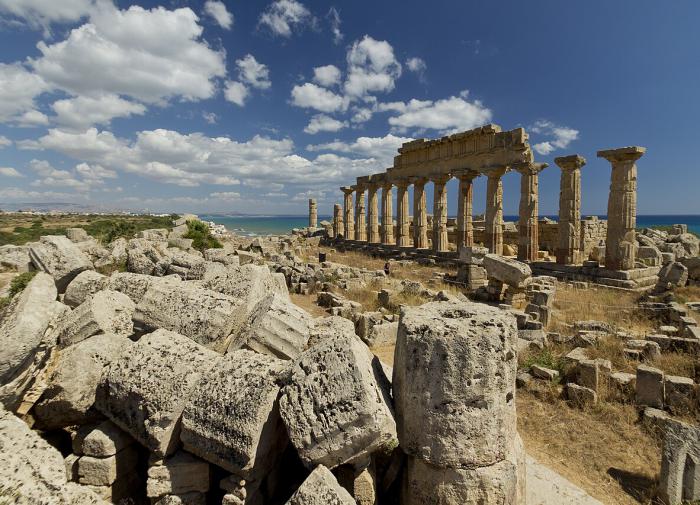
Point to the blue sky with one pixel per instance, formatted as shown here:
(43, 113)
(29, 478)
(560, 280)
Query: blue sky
(254, 106)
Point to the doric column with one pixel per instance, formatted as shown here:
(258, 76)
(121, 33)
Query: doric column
(622, 207)
(465, 228)
(313, 213)
(494, 211)
(403, 228)
(387, 215)
(528, 238)
(569, 228)
(348, 215)
(360, 224)
(373, 214)
(420, 218)
(337, 220)
(440, 241)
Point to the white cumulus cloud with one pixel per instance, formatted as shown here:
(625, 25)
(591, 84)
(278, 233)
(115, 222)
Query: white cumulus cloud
(218, 12)
(560, 136)
(84, 111)
(324, 123)
(311, 96)
(41, 13)
(252, 72)
(283, 16)
(451, 114)
(327, 75)
(372, 67)
(9, 172)
(236, 92)
(18, 88)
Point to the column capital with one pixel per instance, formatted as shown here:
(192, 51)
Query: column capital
(440, 178)
(572, 162)
(418, 181)
(530, 168)
(387, 185)
(496, 173)
(403, 182)
(631, 153)
(466, 175)
(348, 189)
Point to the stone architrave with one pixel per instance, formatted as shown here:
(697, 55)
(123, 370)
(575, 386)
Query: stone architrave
(528, 239)
(360, 224)
(373, 214)
(620, 241)
(420, 218)
(569, 231)
(403, 228)
(387, 216)
(440, 241)
(313, 213)
(348, 215)
(337, 220)
(494, 211)
(465, 227)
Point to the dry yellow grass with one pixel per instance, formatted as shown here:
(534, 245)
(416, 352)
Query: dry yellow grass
(688, 293)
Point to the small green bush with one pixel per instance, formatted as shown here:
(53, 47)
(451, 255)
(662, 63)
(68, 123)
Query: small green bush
(20, 282)
(201, 236)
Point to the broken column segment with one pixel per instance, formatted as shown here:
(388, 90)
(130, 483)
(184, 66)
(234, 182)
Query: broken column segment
(679, 481)
(454, 392)
(106, 312)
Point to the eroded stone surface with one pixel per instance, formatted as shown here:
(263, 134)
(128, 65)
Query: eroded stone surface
(85, 285)
(321, 488)
(59, 257)
(105, 312)
(182, 473)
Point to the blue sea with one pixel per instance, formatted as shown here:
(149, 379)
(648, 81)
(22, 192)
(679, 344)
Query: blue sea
(278, 225)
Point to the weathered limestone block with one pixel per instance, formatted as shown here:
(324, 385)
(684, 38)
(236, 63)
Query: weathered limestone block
(179, 474)
(154, 234)
(233, 420)
(105, 471)
(507, 270)
(321, 488)
(242, 492)
(72, 385)
(276, 327)
(60, 258)
(23, 348)
(15, 257)
(145, 391)
(680, 472)
(324, 328)
(383, 334)
(101, 441)
(454, 383)
(135, 285)
(336, 405)
(143, 256)
(580, 395)
(77, 234)
(672, 275)
(650, 386)
(248, 283)
(679, 393)
(205, 316)
(32, 471)
(107, 312)
(85, 285)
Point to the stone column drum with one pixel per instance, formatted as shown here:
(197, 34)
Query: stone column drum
(387, 216)
(373, 214)
(313, 213)
(360, 225)
(337, 220)
(420, 218)
(403, 228)
(454, 395)
(465, 228)
(440, 240)
(494, 211)
(528, 237)
(348, 215)
(569, 230)
(620, 241)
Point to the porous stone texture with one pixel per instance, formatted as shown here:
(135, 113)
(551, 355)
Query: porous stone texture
(105, 471)
(22, 346)
(72, 385)
(32, 470)
(205, 316)
(248, 284)
(454, 383)
(680, 472)
(60, 258)
(650, 386)
(85, 285)
(336, 404)
(180, 474)
(324, 328)
(135, 285)
(276, 327)
(15, 257)
(145, 391)
(193, 498)
(321, 488)
(506, 270)
(101, 441)
(106, 312)
(233, 420)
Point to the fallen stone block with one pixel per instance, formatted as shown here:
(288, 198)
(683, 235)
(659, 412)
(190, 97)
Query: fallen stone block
(276, 327)
(205, 316)
(180, 474)
(15, 257)
(60, 258)
(679, 394)
(679, 456)
(70, 394)
(454, 383)
(233, 421)
(650, 387)
(85, 285)
(581, 396)
(336, 404)
(193, 498)
(105, 471)
(249, 284)
(145, 391)
(135, 285)
(107, 312)
(544, 373)
(321, 487)
(324, 328)
(506, 270)
(101, 441)
(77, 235)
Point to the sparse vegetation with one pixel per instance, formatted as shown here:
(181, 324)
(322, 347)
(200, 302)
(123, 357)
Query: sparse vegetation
(20, 282)
(201, 236)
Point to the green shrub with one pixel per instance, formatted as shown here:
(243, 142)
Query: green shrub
(201, 236)
(20, 282)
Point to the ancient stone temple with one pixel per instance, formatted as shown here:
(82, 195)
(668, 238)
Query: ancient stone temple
(490, 152)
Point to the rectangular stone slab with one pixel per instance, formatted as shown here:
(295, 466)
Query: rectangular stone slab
(145, 391)
(60, 258)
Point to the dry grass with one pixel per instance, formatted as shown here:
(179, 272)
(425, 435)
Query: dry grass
(677, 363)
(602, 449)
(687, 294)
(308, 303)
(612, 348)
(613, 306)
